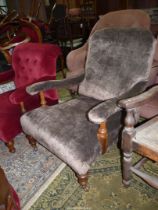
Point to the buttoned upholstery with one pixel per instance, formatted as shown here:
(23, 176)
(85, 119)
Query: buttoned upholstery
(31, 62)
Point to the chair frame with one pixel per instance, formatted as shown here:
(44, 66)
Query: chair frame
(128, 135)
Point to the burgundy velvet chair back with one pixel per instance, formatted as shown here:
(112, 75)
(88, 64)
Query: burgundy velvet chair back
(33, 61)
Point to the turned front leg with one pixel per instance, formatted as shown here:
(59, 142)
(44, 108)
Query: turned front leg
(127, 147)
(10, 146)
(83, 181)
(31, 140)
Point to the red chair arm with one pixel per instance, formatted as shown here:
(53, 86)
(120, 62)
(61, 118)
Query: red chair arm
(20, 94)
(6, 76)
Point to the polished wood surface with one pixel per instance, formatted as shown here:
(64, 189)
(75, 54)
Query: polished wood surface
(102, 136)
(142, 139)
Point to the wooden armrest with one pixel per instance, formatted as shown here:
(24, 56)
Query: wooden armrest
(139, 100)
(9, 46)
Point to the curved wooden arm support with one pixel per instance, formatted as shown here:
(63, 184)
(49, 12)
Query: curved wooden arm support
(23, 110)
(10, 17)
(26, 39)
(43, 100)
(139, 100)
(102, 136)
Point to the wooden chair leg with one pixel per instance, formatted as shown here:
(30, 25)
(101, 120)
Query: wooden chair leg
(127, 173)
(32, 141)
(10, 203)
(10, 146)
(127, 146)
(83, 181)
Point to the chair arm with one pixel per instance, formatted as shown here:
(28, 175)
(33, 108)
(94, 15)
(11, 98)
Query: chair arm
(102, 111)
(14, 43)
(140, 99)
(6, 76)
(19, 95)
(45, 85)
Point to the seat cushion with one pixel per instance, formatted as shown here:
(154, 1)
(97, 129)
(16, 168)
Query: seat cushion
(65, 130)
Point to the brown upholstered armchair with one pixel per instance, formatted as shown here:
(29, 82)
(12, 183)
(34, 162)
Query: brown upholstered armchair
(79, 130)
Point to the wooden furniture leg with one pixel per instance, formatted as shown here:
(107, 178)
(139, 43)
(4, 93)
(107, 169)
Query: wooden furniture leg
(127, 147)
(102, 136)
(83, 181)
(10, 146)
(32, 141)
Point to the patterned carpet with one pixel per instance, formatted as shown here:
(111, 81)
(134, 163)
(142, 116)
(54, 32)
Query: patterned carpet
(106, 189)
(40, 175)
(30, 172)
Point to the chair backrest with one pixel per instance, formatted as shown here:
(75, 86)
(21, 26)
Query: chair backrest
(123, 18)
(117, 60)
(33, 61)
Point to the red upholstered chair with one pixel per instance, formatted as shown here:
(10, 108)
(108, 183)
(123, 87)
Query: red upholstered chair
(13, 34)
(31, 29)
(31, 62)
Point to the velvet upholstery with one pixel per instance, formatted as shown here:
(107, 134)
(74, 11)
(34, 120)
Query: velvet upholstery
(73, 138)
(123, 18)
(99, 68)
(31, 62)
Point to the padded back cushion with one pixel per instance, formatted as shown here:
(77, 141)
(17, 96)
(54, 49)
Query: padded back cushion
(33, 61)
(123, 18)
(118, 58)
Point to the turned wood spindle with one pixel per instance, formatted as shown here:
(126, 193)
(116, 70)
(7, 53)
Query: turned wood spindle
(43, 100)
(102, 136)
(127, 136)
(23, 110)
